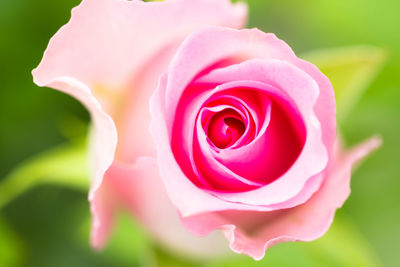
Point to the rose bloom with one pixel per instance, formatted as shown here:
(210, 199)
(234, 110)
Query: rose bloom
(199, 126)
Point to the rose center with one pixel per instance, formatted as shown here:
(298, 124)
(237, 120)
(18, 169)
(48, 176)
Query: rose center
(225, 129)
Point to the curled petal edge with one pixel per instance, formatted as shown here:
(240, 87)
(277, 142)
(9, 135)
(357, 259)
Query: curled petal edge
(102, 147)
(306, 222)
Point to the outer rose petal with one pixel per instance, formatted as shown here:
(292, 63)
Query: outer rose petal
(110, 55)
(126, 185)
(251, 233)
(108, 41)
(104, 137)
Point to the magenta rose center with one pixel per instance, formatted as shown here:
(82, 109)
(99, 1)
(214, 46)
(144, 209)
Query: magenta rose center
(236, 138)
(225, 128)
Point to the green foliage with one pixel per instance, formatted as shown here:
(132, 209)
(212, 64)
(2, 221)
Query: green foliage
(350, 70)
(66, 165)
(129, 242)
(10, 246)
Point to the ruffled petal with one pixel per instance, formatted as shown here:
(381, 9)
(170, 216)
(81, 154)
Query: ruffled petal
(251, 233)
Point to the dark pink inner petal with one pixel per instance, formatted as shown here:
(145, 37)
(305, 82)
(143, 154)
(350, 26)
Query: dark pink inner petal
(225, 128)
(211, 173)
(272, 152)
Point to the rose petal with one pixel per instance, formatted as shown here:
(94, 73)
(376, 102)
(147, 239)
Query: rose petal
(252, 233)
(104, 134)
(138, 188)
(108, 41)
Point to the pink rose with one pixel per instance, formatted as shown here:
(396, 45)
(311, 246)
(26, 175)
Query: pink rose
(245, 135)
(243, 131)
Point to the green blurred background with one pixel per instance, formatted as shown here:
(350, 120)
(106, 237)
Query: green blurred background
(48, 225)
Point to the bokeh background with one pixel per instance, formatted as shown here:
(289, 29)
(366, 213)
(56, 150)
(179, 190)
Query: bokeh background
(48, 224)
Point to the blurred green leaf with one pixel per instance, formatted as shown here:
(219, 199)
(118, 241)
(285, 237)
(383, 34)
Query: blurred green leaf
(73, 128)
(10, 247)
(129, 243)
(66, 165)
(350, 70)
(343, 245)
(165, 259)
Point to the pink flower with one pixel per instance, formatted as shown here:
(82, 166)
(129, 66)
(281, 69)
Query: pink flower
(243, 131)
(245, 135)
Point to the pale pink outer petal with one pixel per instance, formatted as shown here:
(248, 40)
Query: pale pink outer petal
(97, 57)
(108, 41)
(127, 184)
(104, 137)
(252, 233)
(103, 145)
(200, 51)
(117, 48)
